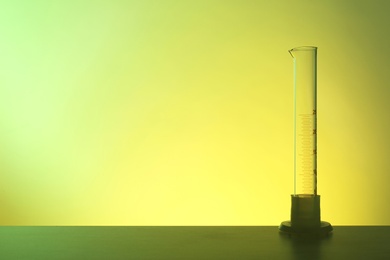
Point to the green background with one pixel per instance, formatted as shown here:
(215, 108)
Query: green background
(180, 112)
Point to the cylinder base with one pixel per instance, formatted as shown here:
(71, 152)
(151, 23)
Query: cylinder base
(305, 211)
(322, 231)
(305, 217)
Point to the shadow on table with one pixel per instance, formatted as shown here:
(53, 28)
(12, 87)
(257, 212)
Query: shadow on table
(305, 247)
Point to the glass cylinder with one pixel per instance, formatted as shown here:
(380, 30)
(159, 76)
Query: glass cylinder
(305, 216)
(305, 120)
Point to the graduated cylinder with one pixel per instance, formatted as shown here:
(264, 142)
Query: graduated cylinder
(305, 120)
(305, 216)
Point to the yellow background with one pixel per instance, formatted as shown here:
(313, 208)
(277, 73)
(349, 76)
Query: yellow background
(180, 112)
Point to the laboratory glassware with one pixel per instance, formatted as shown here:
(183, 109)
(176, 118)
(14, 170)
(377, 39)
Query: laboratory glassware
(305, 202)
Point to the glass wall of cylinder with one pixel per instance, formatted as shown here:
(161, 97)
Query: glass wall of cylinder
(305, 120)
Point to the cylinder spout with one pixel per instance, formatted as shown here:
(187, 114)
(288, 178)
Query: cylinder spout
(291, 52)
(302, 48)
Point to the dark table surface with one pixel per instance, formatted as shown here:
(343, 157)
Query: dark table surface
(190, 242)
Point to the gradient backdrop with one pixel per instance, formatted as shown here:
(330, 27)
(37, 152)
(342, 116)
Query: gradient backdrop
(180, 112)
